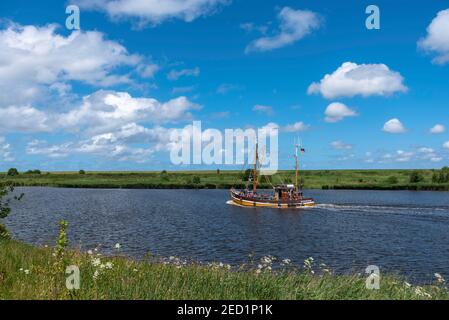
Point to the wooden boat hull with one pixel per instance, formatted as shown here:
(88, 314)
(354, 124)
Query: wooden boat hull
(248, 202)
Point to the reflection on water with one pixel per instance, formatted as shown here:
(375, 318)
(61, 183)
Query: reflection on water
(401, 231)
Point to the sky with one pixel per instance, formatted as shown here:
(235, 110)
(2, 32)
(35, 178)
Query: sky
(107, 96)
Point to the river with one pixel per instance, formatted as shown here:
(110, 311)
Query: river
(401, 232)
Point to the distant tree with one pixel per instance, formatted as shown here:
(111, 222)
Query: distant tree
(13, 172)
(416, 177)
(81, 172)
(247, 174)
(218, 171)
(33, 172)
(392, 180)
(435, 178)
(164, 172)
(196, 180)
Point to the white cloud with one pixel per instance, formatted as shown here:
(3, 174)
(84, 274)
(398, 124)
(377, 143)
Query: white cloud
(437, 38)
(35, 60)
(227, 87)
(437, 129)
(107, 110)
(403, 156)
(263, 109)
(340, 145)
(174, 75)
(296, 127)
(24, 119)
(446, 145)
(293, 26)
(153, 11)
(394, 126)
(102, 111)
(5, 151)
(338, 111)
(351, 79)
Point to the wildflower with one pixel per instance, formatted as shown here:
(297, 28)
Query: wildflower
(96, 274)
(228, 267)
(286, 261)
(221, 265)
(440, 278)
(89, 252)
(109, 265)
(117, 246)
(259, 266)
(408, 285)
(26, 271)
(96, 262)
(258, 271)
(135, 270)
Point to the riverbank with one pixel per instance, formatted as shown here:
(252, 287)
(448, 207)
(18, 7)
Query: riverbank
(34, 273)
(311, 179)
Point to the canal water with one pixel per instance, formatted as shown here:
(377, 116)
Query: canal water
(401, 232)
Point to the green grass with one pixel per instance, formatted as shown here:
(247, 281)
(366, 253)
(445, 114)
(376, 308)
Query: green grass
(130, 279)
(313, 179)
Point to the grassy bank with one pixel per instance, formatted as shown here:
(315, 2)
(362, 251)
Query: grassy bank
(313, 179)
(34, 273)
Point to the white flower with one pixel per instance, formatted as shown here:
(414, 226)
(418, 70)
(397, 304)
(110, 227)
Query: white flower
(96, 274)
(96, 262)
(117, 246)
(440, 278)
(109, 265)
(286, 261)
(135, 270)
(89, 252)
(408, 285)
(221, 265)
(26, 271)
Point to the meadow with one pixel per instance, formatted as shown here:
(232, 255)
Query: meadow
(39, 273)
(310, 179)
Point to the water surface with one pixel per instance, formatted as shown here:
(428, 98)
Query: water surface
(400, 231)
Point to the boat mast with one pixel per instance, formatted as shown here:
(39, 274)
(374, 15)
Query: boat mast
(296, 168)
(255, 169)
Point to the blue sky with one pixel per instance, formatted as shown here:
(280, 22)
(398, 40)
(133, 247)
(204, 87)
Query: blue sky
(230, 64)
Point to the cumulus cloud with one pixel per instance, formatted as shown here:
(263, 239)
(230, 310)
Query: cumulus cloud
(338, 111)
(340, 145)
(296, 127)
(24, 119)
(154, 11)
(352, 79)
(293, 26)
(5, 151)
(437, 38)
(263, 109)
(107, 110)
(36, 60)
(394, 126)
(174, 75)
(437, 129)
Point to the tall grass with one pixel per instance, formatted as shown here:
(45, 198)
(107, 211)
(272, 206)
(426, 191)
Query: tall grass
(34, 273)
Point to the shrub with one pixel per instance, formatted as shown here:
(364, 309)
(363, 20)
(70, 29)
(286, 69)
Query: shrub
(5, 210)
(416, 177)
(13, 172)
(392, 180)
(33, 172)
(81, 172)
(196, 180)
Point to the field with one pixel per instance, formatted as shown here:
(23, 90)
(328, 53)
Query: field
(37, 273)
(318, 179)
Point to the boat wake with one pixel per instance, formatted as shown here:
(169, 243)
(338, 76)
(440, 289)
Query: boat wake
(377, 208)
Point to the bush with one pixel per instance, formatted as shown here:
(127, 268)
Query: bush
(392, 180)
(416, 177)
(196, 180)
(33, 172)
(5, 210)
(13, 172)
(81, 172)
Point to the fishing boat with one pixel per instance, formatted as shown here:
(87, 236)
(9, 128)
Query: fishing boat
(283, 196)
